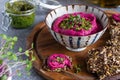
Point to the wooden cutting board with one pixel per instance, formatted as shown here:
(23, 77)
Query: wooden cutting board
(45, 45)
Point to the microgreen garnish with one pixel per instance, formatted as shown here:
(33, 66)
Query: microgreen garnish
(85, 24)
(59, 59)
(75, 22)
(13, 59)
(77, 68)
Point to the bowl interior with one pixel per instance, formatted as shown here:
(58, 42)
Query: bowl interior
(100, 15)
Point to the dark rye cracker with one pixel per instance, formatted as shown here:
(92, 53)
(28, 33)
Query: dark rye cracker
(105, 61)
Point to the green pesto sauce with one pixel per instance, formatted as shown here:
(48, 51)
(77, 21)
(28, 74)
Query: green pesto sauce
(22, 14)
(18, 7)
(20, 22)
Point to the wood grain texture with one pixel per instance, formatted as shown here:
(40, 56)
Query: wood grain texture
(45, 45)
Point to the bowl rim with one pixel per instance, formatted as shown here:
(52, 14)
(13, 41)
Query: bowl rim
(105, 27)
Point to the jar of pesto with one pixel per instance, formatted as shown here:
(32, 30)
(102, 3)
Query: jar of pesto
(19, 13)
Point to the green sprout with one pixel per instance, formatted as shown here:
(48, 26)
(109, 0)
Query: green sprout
(11, 58)
(75, 22)
(77, 68)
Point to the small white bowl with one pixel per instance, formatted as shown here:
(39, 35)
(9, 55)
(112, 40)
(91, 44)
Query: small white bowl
(76, 43)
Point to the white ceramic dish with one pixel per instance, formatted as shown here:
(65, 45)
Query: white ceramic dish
(76, 43)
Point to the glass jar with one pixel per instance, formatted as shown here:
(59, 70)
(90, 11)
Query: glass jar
(19, 13)
(106, 3)
(94, 1)
(109, 3)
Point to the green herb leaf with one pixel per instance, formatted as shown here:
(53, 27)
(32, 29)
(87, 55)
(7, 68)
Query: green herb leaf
(33, 59)
(71, 21)
(4, 36)
(78, 16)
(85, 24)
(9, 53)
(4, 77)
(20, 49)
(32, 45)
(19, 74)
(27, 53)
(1, 61)
(28, 65)
(12, 43)
(15, 57)
(15, 38)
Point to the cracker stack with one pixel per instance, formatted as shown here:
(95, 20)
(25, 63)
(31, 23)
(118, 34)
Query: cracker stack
(105, 61)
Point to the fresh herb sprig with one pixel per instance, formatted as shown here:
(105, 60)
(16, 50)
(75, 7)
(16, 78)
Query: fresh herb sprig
(59, 59)
(85, 24)
(12, 59)
(75, 22)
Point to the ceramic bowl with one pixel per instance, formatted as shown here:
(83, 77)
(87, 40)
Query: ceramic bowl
(76, 43)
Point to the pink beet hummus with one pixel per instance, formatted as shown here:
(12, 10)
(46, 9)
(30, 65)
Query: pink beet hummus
(60, 61)
(95, 25)
(116, 17)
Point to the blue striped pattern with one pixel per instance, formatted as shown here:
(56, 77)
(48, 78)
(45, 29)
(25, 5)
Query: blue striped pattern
(94, 38)
(70, 42)
(86, 43)
(56, 36)
(78, 42)
(62, 40)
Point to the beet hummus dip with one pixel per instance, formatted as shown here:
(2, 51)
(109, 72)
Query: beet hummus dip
(57, 62)
(77, 24)
(116, 17)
